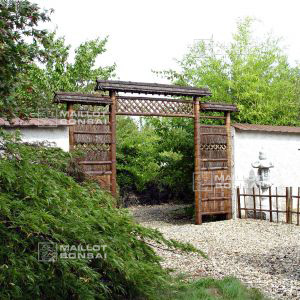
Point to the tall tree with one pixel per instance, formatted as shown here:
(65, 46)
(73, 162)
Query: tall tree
(21, 43)
(35, 63)
(253, 73)
(34, 89)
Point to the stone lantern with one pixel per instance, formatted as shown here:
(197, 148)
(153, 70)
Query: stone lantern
(262, 181)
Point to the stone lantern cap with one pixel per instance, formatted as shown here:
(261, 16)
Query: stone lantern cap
(263, 162)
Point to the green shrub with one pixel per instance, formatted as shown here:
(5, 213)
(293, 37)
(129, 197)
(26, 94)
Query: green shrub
(136, 156)
(39, 202)
(156, 159)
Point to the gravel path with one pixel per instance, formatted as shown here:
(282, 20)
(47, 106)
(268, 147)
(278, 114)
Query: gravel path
(261, 254)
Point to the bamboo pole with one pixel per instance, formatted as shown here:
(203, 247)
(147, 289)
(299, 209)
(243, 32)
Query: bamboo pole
(254, 204)
(229, 161)
(260, 208)
(291, 206)
(287, 205)
(71, 127)
(112, 125)
(277, 207)
(197, 183)
(270, 204)
(239, 203)
(298, 207)
(245, 206)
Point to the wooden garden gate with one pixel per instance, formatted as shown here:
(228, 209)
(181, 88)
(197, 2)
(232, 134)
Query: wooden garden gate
(92, 132)
(93, 117)
(215, 169)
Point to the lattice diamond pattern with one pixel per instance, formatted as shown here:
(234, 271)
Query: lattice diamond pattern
(216, 147)
(140, 106)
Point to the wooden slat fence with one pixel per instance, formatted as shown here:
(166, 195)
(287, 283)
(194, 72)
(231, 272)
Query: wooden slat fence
(283, 204)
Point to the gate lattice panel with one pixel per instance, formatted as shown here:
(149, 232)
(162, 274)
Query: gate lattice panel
(94, 141)
(138, 106)
(215, 177)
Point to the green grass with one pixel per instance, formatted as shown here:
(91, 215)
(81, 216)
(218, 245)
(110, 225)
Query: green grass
(228, 288)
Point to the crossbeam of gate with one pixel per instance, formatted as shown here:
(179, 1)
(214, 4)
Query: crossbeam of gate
(163, 106)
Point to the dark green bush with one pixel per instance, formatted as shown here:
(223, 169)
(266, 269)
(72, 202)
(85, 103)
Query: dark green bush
(156, 159)
(39, 202)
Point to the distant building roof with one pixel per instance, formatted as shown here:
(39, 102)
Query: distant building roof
(33, 122)
(267, 128)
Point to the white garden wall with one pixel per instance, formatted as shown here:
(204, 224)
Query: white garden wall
(59, 135)
(282, 151)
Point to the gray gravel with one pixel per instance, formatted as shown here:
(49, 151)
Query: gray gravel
(261, 254)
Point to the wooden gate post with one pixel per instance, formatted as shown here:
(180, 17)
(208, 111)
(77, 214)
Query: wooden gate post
(229, 162)
(71, 127)
(197, 189)
(112, 126)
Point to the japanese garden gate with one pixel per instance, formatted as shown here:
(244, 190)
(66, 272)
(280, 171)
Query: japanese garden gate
(212, 144)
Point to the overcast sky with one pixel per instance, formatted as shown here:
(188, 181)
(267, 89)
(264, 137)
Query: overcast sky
(150, 35)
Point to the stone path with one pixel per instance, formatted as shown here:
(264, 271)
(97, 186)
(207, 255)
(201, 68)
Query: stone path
(261, 254)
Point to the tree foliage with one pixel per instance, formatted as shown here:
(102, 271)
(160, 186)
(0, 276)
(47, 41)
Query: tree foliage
(254, 74)
(21, 43)
(251, 72)
(175, 156)
(35, 63)
(34, 90)
(150, 159)
(136, 155)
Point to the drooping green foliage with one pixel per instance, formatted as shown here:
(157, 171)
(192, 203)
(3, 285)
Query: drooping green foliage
(253, 73)
(39, 202)
(21, 42)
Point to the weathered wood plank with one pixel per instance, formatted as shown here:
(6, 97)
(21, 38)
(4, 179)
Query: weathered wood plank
(77, 98)
(213, 117)
(218, 106)
(91, 132)
(98, 172)
(151, 88)
(95, 162)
